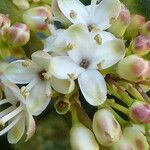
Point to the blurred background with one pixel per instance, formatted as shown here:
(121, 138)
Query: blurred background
(52, 129)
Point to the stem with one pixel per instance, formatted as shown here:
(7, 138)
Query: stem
(74, 114)
(118, 107)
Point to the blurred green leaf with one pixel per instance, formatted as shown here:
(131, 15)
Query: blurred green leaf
(7, 7)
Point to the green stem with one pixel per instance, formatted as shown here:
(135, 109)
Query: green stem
(74, 115)
(118, 107)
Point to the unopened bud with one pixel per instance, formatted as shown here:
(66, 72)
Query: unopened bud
(81, 138)
(141, 45)
(134, 68)
(122, 144)
(22, 4)
(106, 127)
(4, 24)
(18, 34)
(36, 18)
(118, 28)
(136, 137)
(62, 106)
(145, 30)
(140, 112)
(134, 27)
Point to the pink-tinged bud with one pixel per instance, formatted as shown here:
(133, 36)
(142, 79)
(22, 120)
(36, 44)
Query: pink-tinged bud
(122, 144)
(37, 18)
(134, 68)
(136, 138)
(118, 28)
(141, 45)
(4, 24)
(106, 128)
(134, 27)
(18, 34)
(140, 112)
(81, 138)
(145, 30)
(22, 4)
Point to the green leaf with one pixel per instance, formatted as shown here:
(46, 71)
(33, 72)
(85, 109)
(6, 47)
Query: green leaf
(7, 7)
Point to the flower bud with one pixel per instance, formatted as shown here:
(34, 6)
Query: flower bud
(141, 45)
(106, 128)
(133, 68)
(118, 28)
(140, 112)
(22, 4)
(18, 34)
(81, 138)
(136, 137)
(62, 106)
(145, 30)
(36, 18)
(122, 144)
(134, 27)
(4, 24)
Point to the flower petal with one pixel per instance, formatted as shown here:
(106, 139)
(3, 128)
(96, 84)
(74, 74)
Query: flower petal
(31, 126)
(68, 6)
(63, 66)
(38, 100)
(105, 11)
(17, 73)
(42, 59)
(15, 134)
(93, 87)
(109, 53)
(62, 86)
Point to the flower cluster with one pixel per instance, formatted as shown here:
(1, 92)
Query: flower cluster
(99, 51)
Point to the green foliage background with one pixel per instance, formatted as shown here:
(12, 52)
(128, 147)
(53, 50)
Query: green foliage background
(52, 129)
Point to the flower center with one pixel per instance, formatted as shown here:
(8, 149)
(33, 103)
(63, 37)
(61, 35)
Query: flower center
(84, 63)
(44, 75)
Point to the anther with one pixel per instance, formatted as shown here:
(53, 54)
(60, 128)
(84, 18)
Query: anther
(100, 65)
(112, 20)
(98, 39)
(72, 76)
(24, 91)
(73, 14)
(26, 63)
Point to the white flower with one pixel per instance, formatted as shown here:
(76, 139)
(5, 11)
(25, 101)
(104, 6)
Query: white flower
(99, 14)
(83, 60)
(38, 73)
(18, 118)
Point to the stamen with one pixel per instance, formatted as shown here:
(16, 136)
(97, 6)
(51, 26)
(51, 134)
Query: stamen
(70, 46)
(26, 63)
(11, 125)
(73, 14)
(100, 65)
(49, 21)
(84, 63)
(72, 76)
(112, 20)
(98, 39)
(11, 115)
(44, 75)
(24, 91)
(93, 27)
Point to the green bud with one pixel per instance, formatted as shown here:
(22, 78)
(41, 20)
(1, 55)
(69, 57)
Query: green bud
(81, 138)
(18, 34)
(134, 68)
(22, 4)
(145, 30)
(134, 27)
(106, 127)
(140, 45)
(136, 137)
(118, 28)
(36, 18)
(62, 106)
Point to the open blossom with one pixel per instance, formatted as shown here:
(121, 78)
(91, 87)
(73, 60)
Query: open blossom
(38, 73)
(97, 15)
(18, 117)
(81, 57)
